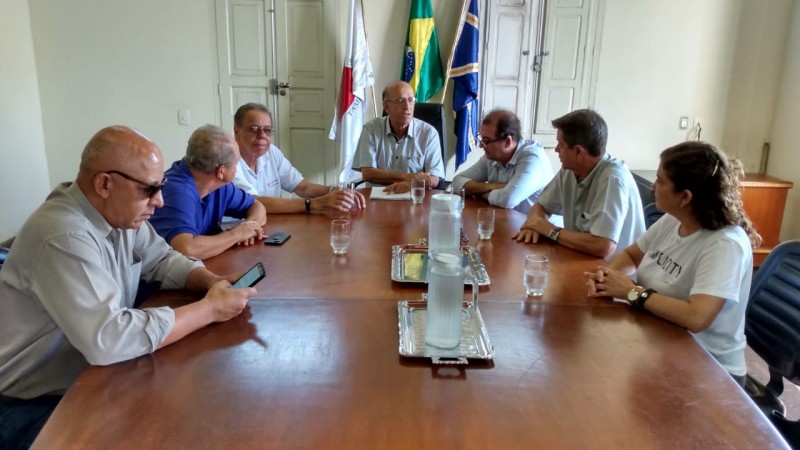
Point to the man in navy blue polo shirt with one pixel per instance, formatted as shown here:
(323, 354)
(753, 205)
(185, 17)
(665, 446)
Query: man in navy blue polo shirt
(199, 192)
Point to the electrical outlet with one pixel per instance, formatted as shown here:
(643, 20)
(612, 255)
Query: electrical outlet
(684, 123)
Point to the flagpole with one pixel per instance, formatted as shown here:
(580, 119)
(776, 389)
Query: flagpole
(366, 40)
(464, 9)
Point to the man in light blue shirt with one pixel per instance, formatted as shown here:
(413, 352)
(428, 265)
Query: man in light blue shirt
(394, 149)
(594, 192)
(512, 172)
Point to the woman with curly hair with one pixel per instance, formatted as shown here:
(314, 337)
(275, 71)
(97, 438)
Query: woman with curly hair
(694, 266)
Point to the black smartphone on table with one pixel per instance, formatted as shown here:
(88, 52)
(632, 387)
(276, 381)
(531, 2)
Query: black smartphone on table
(277, 238)
(251, 277)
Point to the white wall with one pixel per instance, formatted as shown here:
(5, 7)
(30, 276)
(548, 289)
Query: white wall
(114, 62)
(785, 137)
(660, 61)
(137, 63)
(23, 170)
(757, 66)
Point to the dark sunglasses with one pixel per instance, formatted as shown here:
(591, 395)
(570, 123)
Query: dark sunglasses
(150, 189)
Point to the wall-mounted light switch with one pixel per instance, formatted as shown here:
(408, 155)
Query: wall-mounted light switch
(684, 123)
(184, 117)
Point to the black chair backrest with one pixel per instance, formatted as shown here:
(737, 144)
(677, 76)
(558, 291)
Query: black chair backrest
(3, 254)
(772, 324)
(651, 215)
(433, 113)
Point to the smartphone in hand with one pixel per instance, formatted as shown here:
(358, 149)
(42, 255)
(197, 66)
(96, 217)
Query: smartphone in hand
(251, 277)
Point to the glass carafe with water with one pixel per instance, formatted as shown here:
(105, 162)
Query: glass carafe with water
(445, 299)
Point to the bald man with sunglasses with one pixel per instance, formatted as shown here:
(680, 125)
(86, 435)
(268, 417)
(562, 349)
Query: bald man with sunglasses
(68, 286)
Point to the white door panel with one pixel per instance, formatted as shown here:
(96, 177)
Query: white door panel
(506, 78)
(539, 59)
(566, 77)
(252, 67)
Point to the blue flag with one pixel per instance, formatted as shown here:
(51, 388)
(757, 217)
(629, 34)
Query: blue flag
(464, 72)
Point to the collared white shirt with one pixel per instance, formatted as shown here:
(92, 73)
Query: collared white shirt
(275, 173)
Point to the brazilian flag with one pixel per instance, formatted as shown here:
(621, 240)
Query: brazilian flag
(422, 66)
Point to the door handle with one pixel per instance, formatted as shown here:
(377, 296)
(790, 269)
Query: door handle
(538, 60)
(278, 87)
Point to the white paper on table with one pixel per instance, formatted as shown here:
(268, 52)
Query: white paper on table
(378, 193)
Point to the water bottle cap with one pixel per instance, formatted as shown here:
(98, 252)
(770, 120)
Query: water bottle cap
(447, 203)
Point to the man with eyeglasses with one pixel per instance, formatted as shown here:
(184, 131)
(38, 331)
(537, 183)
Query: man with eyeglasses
(595, 193)
(67, 288)
(201, 192)
(263, 171)
(512, 172)
(393, 150)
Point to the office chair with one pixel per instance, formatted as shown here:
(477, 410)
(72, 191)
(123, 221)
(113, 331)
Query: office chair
(433, 114)
(772, 327)
(651, 215)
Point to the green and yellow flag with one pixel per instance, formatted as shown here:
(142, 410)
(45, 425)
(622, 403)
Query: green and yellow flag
(422, 66)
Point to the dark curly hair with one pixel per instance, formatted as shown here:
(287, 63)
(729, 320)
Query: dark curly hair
(713, 180)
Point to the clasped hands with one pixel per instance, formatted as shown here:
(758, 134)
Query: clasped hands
(248, 232)
(338, 200)
(607, 282)
(401, 187)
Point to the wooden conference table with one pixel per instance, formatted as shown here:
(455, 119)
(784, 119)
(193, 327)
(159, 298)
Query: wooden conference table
(313, 363)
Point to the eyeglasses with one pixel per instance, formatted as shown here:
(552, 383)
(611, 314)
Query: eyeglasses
(150, 189)
(402, 101)
(484, 141)
(256, 130)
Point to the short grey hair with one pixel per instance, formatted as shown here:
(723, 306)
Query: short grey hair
(209, 147)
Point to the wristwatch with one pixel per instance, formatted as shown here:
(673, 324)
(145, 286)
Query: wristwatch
(553, 234)
(638, 295)
(308, 205)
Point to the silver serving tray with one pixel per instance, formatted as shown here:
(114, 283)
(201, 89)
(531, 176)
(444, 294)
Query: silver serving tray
(410, 264)
(475, 344)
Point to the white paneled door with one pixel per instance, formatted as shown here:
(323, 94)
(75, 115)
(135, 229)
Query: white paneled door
(567, 71)
(538, 59)
(281, 53)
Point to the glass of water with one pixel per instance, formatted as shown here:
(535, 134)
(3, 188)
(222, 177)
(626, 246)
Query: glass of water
(340, 236)
(417, 190)
(485, 223)
(535, 278)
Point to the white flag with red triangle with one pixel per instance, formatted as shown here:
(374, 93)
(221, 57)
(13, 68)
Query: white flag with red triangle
(357, 75)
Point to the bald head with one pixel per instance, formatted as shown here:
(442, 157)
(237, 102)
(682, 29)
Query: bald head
(118, 148)
(396, 89)
(506, 124)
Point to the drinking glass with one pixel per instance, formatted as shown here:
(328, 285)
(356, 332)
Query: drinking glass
(340, 236)
(535, 278)
(485, 223)
(417, 190)
(463, 193)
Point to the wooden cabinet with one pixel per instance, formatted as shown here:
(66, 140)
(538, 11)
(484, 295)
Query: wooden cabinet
(764, 200)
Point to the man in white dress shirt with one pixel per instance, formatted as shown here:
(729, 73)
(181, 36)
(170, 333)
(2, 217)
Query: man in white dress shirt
(264, 171)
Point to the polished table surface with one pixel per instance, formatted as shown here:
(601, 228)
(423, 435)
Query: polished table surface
(317, 365)
(305, 267)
